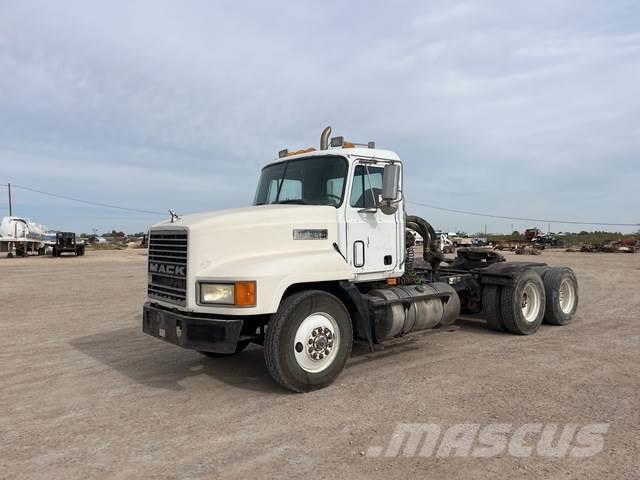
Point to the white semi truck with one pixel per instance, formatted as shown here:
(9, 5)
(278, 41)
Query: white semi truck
(323, 258)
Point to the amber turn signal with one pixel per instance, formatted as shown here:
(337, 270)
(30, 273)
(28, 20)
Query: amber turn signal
(245, 294)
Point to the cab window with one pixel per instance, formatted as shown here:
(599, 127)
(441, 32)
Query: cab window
(366, 189)
(306, 181)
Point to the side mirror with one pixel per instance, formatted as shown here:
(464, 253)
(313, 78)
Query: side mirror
(390, 189)
(390, 182)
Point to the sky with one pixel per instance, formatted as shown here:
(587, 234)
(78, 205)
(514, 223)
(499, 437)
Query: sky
(514, 108)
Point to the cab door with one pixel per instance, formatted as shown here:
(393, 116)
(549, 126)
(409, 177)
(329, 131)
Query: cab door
(372, 236)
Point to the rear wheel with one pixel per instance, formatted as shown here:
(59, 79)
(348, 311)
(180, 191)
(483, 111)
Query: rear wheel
(523, 304)
(491, 307)
(308, 341)
(561, 288)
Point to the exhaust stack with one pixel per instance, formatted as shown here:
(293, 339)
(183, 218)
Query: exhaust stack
(324, 138)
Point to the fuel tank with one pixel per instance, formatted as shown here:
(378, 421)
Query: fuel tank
(410, 308)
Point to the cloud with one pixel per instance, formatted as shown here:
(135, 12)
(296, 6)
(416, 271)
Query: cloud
(514, 108)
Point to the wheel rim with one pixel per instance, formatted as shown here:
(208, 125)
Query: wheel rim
(316, 342)
(531, 302)
(566, 296)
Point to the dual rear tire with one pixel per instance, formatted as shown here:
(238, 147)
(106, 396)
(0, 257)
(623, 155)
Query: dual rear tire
(549, 294)
(561, 288)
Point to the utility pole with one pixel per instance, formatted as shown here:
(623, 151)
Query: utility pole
(10, 206)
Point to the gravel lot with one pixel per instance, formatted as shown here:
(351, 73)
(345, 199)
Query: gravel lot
(84, 394)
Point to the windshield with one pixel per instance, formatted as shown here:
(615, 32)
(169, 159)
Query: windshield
(307, 181)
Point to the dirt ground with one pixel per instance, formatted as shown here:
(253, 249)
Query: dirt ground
(85, 394)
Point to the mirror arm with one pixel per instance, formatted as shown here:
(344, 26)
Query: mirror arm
(368, 210)
(399, 200)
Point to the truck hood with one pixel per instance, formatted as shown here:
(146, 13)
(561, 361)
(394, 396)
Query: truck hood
(253, 217)
(257, 244)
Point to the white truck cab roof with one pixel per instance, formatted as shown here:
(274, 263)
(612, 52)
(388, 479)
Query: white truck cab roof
(351, 154)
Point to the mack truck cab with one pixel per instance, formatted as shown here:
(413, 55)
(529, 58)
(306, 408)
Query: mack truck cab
(325, 257)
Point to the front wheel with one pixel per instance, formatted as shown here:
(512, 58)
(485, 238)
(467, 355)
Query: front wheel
(308, 341)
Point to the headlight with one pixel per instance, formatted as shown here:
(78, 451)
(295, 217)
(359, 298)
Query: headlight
(239, 294)
(217, 293)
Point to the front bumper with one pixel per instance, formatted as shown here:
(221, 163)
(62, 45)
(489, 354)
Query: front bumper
(197, 333)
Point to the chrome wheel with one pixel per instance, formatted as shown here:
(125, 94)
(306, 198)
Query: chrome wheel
(531, 302)
(566, 296)
(316, 342)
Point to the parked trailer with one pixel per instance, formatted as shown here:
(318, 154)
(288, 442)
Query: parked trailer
(21, 237)
(66, 242)
(323, 259)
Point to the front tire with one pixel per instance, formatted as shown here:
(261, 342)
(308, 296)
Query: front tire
(308, 341)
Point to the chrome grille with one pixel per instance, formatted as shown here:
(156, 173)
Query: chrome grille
(168, 266)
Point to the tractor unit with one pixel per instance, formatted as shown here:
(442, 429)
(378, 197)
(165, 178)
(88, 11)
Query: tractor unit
(325, 257)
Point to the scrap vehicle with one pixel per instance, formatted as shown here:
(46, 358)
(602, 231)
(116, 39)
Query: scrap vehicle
(323, 258)
(66, 242)
(531, 234)
(612, 246)
(461, 241)
(542, 239)
(480, 241)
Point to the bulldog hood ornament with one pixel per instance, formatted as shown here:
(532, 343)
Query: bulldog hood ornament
(174, 216)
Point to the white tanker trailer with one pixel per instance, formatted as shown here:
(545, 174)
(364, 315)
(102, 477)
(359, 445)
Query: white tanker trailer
(20, 236)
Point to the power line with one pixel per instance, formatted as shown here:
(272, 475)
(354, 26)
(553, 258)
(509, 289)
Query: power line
(88, 202)
(541, 220)
(435, 207)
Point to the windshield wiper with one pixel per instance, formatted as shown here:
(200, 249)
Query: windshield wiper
(284, 174)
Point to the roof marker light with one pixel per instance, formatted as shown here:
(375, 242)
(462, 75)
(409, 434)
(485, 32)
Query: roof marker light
(337, 141)
(299, 152)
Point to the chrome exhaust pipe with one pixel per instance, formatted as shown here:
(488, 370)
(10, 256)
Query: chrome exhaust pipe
(324, 138)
